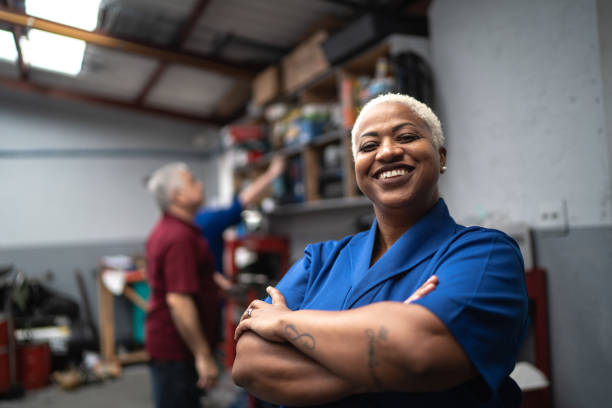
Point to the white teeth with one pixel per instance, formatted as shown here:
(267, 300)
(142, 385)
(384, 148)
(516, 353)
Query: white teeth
(392, 173)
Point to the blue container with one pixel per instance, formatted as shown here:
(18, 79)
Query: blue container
(138, 315)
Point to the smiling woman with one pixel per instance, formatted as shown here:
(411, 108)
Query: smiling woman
(397, 163)
(417, 311)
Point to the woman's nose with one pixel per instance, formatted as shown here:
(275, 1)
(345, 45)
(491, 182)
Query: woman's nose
(389, 151)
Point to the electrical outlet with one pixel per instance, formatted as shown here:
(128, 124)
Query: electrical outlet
(552, 215)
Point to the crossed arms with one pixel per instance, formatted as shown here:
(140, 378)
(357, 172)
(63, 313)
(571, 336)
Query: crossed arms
(312, 357)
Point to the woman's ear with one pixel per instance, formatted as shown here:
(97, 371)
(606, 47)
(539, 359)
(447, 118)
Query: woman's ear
(442, 152)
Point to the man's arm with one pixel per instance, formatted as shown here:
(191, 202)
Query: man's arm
(186, 319)
(281, 374)
(222, 282)
(256, 188)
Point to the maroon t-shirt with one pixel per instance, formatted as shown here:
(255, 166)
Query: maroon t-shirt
(179, 261)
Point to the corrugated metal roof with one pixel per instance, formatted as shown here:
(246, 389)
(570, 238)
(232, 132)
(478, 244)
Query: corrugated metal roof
(150, 21)
(279, 23)
(189, 90)
(250, 33)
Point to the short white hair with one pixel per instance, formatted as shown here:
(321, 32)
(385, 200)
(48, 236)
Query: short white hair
(165, 181)
(419, 108)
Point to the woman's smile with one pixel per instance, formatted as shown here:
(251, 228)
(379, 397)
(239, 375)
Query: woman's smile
(390, 178)
(397, 171)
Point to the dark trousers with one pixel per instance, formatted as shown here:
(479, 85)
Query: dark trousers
(174, 384)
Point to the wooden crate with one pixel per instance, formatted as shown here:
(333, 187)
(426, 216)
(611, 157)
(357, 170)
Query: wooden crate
(305, 63)
(266, 85)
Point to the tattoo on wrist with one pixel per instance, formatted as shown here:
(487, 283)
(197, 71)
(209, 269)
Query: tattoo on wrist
(373, 339)
(305, 339)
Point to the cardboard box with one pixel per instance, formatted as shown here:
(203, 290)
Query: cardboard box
(266, 85)
(305, 63)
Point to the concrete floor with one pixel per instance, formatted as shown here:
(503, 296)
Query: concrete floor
(131, 390)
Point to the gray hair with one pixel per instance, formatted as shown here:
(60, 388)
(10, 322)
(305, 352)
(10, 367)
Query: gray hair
(422, 111)
(165, 181)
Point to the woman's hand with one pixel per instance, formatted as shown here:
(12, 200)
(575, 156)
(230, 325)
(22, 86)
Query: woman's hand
(427, 287)
(264, 318)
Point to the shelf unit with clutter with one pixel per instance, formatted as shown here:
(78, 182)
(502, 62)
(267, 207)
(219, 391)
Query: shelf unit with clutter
(252, 262)
(304, 108)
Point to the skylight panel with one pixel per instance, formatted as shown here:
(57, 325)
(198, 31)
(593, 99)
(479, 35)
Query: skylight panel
(55, 52)
(8, 51)
(82, 14)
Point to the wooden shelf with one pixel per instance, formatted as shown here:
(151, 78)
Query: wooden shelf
(328, 138)
(322, 140)
(321, 205)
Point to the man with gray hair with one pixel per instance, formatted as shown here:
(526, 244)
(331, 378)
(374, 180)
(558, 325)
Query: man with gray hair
(182, 320)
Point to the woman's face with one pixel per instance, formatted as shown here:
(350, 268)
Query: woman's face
(397, 165)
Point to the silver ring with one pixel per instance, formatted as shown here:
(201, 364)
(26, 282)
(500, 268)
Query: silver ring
(249, 312)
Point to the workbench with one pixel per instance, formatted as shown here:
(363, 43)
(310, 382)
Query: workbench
(106, 317)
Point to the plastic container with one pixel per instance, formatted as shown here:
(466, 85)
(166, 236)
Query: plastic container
(34, 364)
(138, 315)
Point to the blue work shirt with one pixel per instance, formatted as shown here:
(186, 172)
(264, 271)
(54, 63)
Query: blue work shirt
(212, 222)
(481, 298)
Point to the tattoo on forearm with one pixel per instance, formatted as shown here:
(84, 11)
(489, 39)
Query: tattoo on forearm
(305, 339)
(372, 362)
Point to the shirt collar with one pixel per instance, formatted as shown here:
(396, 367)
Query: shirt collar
(173, 218)
(419, 242)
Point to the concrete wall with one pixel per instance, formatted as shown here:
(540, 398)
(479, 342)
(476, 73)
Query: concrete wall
(72, 190)
(604, 19)
(524, 90)
(72, 172)
(579, 269)
(521, 100)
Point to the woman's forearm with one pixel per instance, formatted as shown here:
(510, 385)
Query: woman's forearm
(383, 346)
(279, 373)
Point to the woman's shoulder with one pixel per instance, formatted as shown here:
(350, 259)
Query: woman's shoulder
(482, 240)
(478, 233)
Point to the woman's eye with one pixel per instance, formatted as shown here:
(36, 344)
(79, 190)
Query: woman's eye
(408, 137)
(367, 147)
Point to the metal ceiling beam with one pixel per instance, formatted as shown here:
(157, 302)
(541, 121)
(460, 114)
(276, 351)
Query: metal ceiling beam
(16, 30)
(23, 69)
(189, 25)
(177, 44)
(390, 8)
(83, 97)
(151, 82)
(103, 40)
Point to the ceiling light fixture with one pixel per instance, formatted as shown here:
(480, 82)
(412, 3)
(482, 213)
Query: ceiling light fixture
(54, 52)
(8, 51)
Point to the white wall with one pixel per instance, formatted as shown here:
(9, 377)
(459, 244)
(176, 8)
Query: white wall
(96, 193)
(521, 100)
(604, 17)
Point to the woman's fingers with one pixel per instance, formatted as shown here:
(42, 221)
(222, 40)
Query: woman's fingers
(276, 295)
(426, 288)
(249, 310)
(277, 300)
(242, 327)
